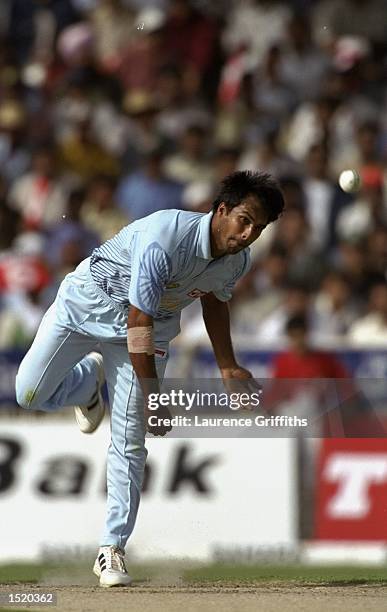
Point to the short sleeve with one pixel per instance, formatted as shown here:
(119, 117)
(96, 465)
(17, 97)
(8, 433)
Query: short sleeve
(240, 270)
(150, 272)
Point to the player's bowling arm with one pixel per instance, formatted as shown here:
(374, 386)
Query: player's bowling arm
(145, 368)
(143, 363)
(216, 317)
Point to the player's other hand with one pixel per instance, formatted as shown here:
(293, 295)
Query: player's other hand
(237, 379)
(158, 421)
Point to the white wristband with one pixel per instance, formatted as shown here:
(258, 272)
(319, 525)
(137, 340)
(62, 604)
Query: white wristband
(140, 340)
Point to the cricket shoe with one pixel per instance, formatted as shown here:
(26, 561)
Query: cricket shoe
(90, 415)
(110, 567)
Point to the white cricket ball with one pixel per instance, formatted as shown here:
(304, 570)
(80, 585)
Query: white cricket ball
(349, 181)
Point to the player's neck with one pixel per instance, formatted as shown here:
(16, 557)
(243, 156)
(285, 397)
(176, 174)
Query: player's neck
(216, 250)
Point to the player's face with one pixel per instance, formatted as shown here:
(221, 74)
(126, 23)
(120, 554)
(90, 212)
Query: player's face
(240, 226)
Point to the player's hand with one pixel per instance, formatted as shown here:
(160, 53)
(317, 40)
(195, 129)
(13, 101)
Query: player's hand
(159, 423)
(237, 379)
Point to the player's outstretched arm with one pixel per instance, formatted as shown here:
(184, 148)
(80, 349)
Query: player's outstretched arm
(141, 351)
(216, 317)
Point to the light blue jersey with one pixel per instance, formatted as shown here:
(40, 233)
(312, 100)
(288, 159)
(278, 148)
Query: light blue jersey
(163, 262)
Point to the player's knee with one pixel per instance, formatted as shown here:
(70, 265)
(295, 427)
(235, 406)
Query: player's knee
(26, 396)
(137, 451)
(137, 454)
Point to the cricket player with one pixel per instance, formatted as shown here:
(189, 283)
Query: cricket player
(125, 300)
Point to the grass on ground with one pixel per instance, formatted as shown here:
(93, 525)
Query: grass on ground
(206, 574)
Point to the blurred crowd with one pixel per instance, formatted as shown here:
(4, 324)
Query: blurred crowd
(113, 109)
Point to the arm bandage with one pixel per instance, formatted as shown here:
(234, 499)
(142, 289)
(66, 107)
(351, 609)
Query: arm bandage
(140, 340)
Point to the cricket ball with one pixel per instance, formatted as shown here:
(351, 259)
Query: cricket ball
(349, 181)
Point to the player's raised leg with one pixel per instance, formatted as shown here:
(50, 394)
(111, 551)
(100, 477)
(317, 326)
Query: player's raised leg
(57, 370)
(126, 460)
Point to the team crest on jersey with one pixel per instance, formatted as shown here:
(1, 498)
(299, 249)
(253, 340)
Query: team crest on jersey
(196, 293)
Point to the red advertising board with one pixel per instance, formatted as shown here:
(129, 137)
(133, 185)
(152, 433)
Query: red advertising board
(351, 490)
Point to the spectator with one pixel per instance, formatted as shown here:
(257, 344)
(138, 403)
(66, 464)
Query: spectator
(354, 17)
(145, 54)
(261, 292)
(371, 330)
(39, 195)
(267, 157)
(244, 21)
(369, 209)
(323, 198)
(179, 108)
(293, 193)
(14, 157)
(351, 261)
(297, 301)
(99, 212)
(68, 242)
(23, 278)
(312, 123)
(75, 48)
(36, 24)
(303, 65)
(272, 97)
(78, 103)
(112, 20)
(363, 151)
(339, 408)
(10, 225)
(225, 162)
(190, 162)
(301, 360)
(191, 40)
(294, 236)
(376, 252)
(335, 309)
(20, 317)
(82, 156)
(198, 196)
(146, 190)
(143, 132)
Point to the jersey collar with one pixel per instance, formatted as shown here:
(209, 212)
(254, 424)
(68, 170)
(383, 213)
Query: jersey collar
(203, 244)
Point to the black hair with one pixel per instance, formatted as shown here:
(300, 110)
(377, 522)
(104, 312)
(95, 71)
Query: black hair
(237, 186)
(296, 323)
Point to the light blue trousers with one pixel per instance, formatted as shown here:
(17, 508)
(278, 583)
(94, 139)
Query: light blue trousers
(56, 372)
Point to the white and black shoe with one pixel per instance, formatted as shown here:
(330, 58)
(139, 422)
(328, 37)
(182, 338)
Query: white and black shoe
(89, 416)
(110, 567)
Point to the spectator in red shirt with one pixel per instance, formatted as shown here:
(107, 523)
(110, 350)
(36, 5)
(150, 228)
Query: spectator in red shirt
(303, 361)
(345, 411)
(192, 42)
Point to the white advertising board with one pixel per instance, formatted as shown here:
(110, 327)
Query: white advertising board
(199, 493)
